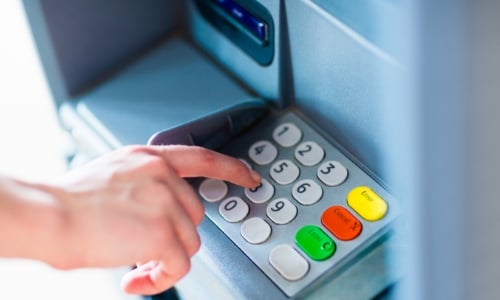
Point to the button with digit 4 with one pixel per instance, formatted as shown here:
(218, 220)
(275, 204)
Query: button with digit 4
(262, 152)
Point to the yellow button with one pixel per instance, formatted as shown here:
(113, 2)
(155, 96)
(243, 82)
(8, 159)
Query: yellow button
(367, 203)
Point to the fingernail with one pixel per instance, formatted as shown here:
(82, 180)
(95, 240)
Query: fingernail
(255, 176)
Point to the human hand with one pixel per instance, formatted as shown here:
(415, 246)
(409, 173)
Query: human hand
(131, 206)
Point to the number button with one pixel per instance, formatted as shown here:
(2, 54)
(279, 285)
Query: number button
(284, 171)
(332, 173)
(288, 262)
(213, 190)
(281, 211)
(307, 192)
(309, 154)
(233, 209)
(260, 194)
(262, 152)
(287, 134)
(255, 230)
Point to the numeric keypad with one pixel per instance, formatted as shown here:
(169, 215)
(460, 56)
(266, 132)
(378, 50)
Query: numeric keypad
(311, 210)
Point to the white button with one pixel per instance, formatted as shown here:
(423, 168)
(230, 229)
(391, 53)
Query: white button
(307, 192)
(288, 262)
(262, 152)
(309, 153)
(284, 171)
(213, 190)
(233, 209)
(332, 173)
(260, 194)
(287, 134)
(281, 211)
(255, 230)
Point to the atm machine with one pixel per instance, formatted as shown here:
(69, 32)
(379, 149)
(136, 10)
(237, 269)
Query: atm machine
(298, 89)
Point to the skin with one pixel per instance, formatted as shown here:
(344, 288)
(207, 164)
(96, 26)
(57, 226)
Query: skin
(128, 207)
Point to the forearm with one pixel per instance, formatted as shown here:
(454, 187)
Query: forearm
(31, 222)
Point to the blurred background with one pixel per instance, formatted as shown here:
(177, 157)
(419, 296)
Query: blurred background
(31, 147)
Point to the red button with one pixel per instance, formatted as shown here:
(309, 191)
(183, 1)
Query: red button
(341, 223)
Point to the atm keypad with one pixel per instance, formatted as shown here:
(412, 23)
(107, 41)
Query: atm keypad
(313, 210)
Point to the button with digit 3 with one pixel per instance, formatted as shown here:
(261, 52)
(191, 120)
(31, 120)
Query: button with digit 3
(332, 173)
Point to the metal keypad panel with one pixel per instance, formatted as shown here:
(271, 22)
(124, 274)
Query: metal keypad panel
(314, 211)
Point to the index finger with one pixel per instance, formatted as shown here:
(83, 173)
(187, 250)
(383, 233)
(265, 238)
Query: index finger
(193, 161)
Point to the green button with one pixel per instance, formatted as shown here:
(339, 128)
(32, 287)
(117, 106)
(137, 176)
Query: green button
(315, 242)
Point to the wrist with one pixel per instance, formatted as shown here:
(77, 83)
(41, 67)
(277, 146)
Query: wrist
(34, 223)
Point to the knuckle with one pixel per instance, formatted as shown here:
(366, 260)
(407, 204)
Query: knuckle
(157, 163)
